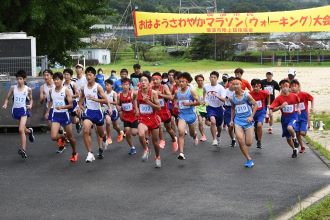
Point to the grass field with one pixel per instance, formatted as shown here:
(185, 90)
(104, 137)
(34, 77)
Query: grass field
(320, 210)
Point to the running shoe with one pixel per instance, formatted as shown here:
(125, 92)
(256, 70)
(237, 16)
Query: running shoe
(270, 130)
(294, 153)
(145, 155)
(302, 150)
(120, 136)
(259, 144)
(31, 136)
(249, 164)
(215, 142)
(162, 144)
(100, 154)
(109, 141)
(203, 138)
(90, 157)
(74, 157)
(60, 142)
(295, 142)
(181, 156)
(233, 143)
(158, 162)
(132, 151)
(175, 145)
(22, 153)
(185, 132)
(60, 150)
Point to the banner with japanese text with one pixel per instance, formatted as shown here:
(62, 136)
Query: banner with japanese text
(305, 20)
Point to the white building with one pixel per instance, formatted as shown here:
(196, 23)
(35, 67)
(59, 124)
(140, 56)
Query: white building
(102, 55)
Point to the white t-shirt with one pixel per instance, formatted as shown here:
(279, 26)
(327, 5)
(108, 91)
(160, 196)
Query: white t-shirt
(211, 99)
(82, 82)
(229, 95)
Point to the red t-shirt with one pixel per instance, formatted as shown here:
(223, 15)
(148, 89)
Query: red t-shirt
(292, 100)
(260, 98)
(245, 85)
(304, 97)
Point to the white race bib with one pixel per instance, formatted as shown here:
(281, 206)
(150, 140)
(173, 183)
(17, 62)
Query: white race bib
(127, 107)
(269, 89)
(302, 106)
(288, 109)
(162, 102)
(259, 103)
(145, 109)
(181, 106)
(59, 104)
(242, 108)
(20, 100)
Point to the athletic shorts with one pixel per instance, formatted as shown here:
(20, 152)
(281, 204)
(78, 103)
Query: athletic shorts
(63, 118)
(133, 124)
(74, 108)
(260, 115)
(152, 122)
(50, 115)
(114, 116)
(17, 113)
(302, 123)
(165, 116)
(245, 125)
(227, 115)
(288, 120)
(95, 116)
(202, 114)
(217, 112)
(190, 119)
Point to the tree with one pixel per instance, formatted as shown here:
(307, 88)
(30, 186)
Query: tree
(57, 25)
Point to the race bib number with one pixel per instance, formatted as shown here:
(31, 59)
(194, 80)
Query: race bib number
(302, 106)
(288, 109)
(259, 103)
(59, 103)
(145, 109)
(20, 100)
(242, 108)
(269, 89)
(181, 106)
(127, 107)
(162, 102)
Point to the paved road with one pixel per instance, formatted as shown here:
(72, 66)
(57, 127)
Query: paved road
(210, 184)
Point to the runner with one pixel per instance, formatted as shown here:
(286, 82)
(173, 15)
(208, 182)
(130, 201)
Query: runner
(288, 103)
(270, 85)
(214, 95)
(185, 100)
(227, 113)
(146, 106)
(245, 84)
(61, 102)
(164, 113)
(93, 96)
(224, 81)
(22, 104)
(125, 106)
(44, 92)
(81, 79)
(201, 109)
(173, 86)
(73, 89)
(260, 96)
(303, 118)
(242, 118)
(111, 113)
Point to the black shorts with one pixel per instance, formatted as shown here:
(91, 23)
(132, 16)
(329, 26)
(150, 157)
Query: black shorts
(131, 124)
(203, 114)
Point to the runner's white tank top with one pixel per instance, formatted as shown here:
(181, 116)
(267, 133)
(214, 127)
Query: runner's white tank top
(90, 104)
(58, 99)
(20, 97)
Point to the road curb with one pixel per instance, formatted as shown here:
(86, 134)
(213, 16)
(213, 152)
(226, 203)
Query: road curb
(310, 200)
(318, 154)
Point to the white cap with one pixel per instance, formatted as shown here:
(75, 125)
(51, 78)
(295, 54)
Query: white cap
(292, 72)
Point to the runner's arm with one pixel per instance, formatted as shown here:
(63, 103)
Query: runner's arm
(30, 98)
(9, 94)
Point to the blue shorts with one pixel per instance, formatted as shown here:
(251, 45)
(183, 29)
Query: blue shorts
(244, 124)
(302, 122)
(74, 108)
(227, 115)
(95, 116)
(260, 115)
(288, 120)
(63, 118)
(50, 115)
(217, 112)
(17, 113)
(188, 118)
(114, 116)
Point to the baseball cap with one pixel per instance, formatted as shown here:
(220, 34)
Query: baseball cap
(225, 75)
(79, 65)
(269, 73)
(292, 72)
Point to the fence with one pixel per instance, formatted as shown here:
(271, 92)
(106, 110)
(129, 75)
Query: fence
(32, 65)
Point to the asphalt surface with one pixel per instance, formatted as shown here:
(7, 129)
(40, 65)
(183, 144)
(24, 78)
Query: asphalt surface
(209, 184)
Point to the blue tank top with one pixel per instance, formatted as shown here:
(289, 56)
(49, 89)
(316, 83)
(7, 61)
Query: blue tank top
(185, 97)
(243, 109)
(100, 80)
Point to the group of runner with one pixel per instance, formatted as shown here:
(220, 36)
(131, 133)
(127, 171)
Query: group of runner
(144, 101)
